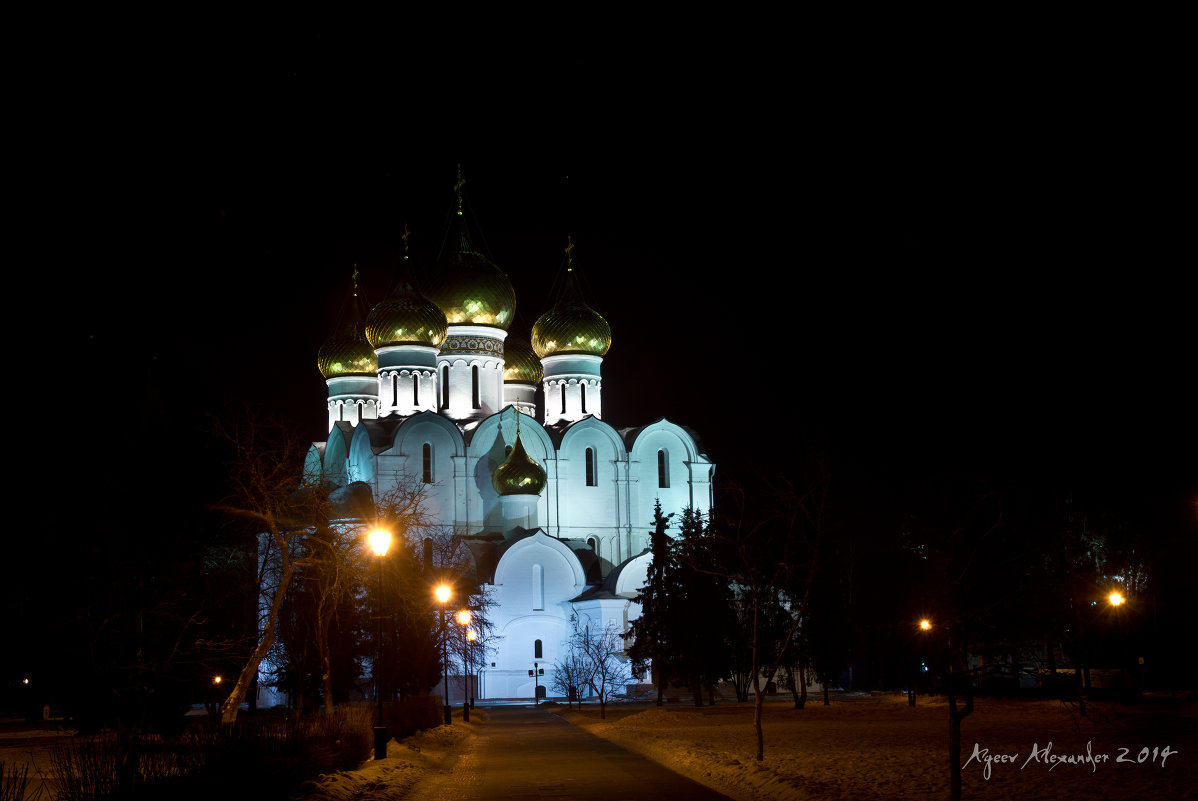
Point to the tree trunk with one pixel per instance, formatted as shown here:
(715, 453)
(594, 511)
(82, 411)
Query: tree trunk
(231, 705)
(758, 690)
(802, 686)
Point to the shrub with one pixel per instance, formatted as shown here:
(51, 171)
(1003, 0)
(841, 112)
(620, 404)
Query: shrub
(411, 714)
(264, 758)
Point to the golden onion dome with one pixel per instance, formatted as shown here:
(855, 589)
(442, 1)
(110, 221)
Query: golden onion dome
(519, 474)
(405, 318)
(470, 290)
(520, 364)
(347, 353)
(571, 329)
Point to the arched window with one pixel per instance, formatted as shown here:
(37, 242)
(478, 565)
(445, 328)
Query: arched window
(445, 386)
(663, 469)
(428, 463)
(582, 388)
(394, 389)
(563, 397)
(591, 482)
(593, 544)
(537, 651)
(415, 389)
(474, 396)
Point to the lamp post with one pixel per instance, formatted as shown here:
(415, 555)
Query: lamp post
(380, 541)
(443, 594)
(470, 637)
(925, 625)
(464, 619)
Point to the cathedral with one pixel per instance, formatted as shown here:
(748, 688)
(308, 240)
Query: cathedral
(553, 503)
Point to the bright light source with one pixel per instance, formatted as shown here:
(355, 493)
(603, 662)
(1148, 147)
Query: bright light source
(925, 625)
(380, 541)
(442, 592)
(216, 679)
(1115, 598)
(470, 635)
(464, 617)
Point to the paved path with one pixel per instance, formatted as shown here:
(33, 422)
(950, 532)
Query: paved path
(527, 753)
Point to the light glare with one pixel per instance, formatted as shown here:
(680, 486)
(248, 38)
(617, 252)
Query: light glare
(380, 541)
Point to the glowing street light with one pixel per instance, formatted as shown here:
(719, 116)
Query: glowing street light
(442, 593)
(380, 543)
(1115, 598)
(464, 620)
(470, 638)
(925, 625)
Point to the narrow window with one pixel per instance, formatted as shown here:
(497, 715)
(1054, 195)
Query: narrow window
(416, 389)
(445, 387)
(474, 387)
(428, 463)
(361, 406)
(394, 390)
(663, 469)
(582, 387)
(590, 467)
(537, 651)
(563, 397)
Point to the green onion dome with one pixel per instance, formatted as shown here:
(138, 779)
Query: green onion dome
(347, 353)
(571, 326)
(519, 474)
(405, 317)
(520, 364)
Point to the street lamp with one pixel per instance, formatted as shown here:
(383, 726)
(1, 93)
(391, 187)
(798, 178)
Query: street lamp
(442, 593)
(470, 637)
(1116, 598)
(925, 625)
(464, 619)
(380, 542)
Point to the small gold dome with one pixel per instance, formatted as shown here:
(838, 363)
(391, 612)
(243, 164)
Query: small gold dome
(520, 364)
(347, 353)
(470, 290)
(519, 474)
(571, 328)
(405, 318)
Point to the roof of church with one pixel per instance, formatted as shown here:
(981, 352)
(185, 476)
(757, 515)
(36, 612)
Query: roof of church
(607, 590)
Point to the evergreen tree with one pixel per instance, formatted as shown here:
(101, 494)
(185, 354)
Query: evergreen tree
(650, 646)
(701, 645)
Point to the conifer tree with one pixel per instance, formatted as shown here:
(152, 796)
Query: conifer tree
(650, 646)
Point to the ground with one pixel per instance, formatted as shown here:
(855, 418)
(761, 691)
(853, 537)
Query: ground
(864, 747)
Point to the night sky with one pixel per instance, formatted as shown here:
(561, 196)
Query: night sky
(971, 266)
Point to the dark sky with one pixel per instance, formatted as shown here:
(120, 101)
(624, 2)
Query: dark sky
(971, 265)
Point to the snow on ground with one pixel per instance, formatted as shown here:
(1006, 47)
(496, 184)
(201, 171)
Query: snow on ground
(880, 748)
(406, 763)
(871, 747)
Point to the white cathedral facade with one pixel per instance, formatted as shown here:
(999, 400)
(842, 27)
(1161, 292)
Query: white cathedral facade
(554, 504)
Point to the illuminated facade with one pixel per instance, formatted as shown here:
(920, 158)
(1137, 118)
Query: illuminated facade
(554, 504)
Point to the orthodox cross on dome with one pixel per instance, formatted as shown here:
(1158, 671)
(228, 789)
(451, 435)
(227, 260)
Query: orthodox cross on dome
(406, 234)
(457, 188)
(569, 252)
(355, 277)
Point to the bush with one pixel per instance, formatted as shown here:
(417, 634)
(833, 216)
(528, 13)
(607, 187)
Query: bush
(264, 758)
(13, 783)
(409, 715)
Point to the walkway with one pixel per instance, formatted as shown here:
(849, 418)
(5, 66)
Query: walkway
(528, 753)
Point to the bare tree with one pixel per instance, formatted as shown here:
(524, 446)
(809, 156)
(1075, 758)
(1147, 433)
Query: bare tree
(268, 496)
(599, 659)
(769, 551)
